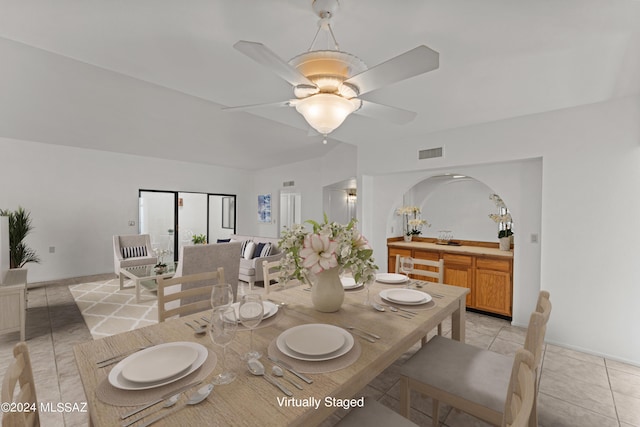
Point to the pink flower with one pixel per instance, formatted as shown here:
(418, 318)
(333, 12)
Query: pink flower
(360, 242)
(319, 253)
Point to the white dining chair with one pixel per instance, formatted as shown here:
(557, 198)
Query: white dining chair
(190, 300)
(20, 372)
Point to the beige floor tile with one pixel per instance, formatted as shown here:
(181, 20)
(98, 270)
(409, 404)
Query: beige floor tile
(514, 334)
(575, 354)
(416, 416)
(625, 383)
(624, 367)
(591, 373)
(628, 409)
(553, 412)
(583, 394)
(457, 418)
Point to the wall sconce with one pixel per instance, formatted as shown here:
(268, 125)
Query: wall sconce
(351, 195)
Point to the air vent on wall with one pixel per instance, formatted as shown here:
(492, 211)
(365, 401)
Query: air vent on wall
(430, 153)
(288, 183)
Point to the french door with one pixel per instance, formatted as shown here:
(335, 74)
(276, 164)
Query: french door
(173, 218)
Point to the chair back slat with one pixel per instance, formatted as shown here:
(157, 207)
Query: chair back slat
(436, 268)
(200, 296)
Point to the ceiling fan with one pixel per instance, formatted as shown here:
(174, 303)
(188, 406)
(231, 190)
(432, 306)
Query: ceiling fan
(327, 83)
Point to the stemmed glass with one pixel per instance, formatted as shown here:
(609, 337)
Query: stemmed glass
(221, 296)
(222, 330)
(406, 267)
(250, 314)
(367, 286)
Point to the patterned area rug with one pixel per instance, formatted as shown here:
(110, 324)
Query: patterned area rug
(107, 310)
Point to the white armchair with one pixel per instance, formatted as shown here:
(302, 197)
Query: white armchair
(132, 250)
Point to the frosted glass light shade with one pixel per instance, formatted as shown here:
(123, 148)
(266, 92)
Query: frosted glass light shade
(325, 111)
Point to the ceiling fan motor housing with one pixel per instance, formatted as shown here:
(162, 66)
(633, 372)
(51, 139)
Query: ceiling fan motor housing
(327, 69)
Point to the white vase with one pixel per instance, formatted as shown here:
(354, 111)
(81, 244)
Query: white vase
(407, 238)
(327, 293)
(505, 243)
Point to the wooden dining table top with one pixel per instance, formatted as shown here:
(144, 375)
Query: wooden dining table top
(250, 400)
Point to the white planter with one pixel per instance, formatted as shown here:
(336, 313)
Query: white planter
(505, 243)
(327, 293)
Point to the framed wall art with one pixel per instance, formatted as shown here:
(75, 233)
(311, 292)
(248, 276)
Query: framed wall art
(264, 208)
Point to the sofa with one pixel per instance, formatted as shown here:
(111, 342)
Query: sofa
(251, 263)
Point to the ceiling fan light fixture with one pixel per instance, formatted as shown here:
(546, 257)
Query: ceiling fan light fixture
(325, 111)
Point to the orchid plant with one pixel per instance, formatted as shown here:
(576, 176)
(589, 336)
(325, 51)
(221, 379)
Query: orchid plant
(503, 219)
(412, 222)
(330, 245)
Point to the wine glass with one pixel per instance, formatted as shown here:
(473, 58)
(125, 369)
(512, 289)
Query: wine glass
(250, 315)
(222, 330)
(406, 267)
(221, 296)
(367, 285)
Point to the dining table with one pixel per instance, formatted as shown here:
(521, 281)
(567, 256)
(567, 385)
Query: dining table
(250, 400)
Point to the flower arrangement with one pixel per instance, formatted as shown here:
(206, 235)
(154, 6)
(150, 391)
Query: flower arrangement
(412, 223)
(330, 245)
(503, 218)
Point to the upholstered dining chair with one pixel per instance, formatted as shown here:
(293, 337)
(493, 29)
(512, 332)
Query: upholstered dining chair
(19, 371)
(469, 378)
(190, 300)
(132, 250)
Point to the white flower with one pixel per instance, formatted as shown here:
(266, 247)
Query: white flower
(319, 253)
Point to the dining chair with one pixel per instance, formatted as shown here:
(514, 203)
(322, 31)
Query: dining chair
(19, 371)
(374, 413)
(435, 268)
(469, 378)
(190, 300)
(270, 271)
(435, 271)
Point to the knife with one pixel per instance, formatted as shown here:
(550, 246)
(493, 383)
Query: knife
(290, 369)
(163, 397)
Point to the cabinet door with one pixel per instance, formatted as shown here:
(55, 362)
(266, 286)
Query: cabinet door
(391, 263)
(493, 291)
(458, 271)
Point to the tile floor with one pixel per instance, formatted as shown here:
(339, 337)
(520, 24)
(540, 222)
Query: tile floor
(576, 389)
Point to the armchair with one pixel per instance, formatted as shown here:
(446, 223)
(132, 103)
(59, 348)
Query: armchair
(132, 250)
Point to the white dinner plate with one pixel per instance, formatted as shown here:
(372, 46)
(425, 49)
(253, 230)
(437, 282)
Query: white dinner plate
(158, 363)
(405, 296)
(117, 380)
(315, 340)
(391, 278)
(349, 283)
(268, 307)
(282, 345)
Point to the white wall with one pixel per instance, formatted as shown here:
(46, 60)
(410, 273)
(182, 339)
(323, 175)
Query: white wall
(588, 208)
(80, 198)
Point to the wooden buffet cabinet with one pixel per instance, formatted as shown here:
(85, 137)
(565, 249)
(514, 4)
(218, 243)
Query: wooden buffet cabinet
(479, 266)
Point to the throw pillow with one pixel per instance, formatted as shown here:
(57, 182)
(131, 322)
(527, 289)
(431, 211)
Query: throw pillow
(223, 240)
(248, 250)
(257, 252)
(266, 251)
(134, 251)
(243, 247)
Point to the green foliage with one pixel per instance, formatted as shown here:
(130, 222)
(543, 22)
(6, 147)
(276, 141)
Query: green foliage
(19, 227)
(199, 239)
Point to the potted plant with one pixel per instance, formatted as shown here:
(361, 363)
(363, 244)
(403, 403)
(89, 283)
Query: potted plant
(318, 257)
(504, 221)
(199, 239)
(19, 227)
(412, 223)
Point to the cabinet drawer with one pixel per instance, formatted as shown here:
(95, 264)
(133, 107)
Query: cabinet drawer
(428, 255)
(493, 264)
(457, 259)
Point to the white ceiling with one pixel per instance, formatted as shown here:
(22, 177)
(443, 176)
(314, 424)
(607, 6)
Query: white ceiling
(149, 76)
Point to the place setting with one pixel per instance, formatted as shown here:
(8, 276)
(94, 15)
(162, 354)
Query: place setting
(146, 375)
(315, 348)
(405, 300)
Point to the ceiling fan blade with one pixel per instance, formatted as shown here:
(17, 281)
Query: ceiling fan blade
(384, 112)
(255, 106)
(416, 61)
(265, 56)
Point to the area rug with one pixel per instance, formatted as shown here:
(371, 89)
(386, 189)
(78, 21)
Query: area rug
(107, 310)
